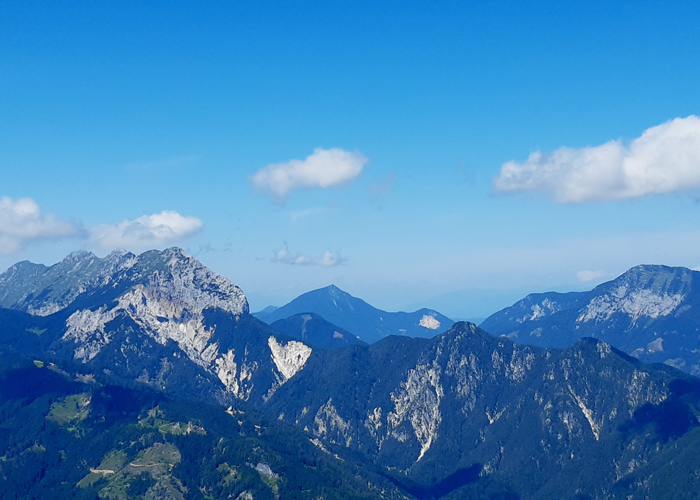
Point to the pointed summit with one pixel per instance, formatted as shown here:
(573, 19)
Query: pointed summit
(334, 290)
(78, 255)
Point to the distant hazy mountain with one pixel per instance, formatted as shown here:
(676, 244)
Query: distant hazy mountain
(266, 311)
(358, 317)
(315, 331)
(650, 312)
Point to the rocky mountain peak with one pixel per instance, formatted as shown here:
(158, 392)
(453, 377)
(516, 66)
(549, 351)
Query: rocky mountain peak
(643, 291)
(78, 255)
(654, 278)
(170, 275)
(166, 299)
(186, 280)
(649, 312)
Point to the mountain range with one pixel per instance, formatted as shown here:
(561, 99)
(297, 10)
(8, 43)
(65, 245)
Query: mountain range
(484, 414)
(650, 312)
(355, 315)
(197, 398)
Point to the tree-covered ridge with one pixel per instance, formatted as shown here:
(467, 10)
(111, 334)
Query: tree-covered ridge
(68, 437)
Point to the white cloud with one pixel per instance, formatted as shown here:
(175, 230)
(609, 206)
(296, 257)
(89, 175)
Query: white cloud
(586, 276)
(324, 168)
(666, 158)
(146, 231)
(329, 259)
(22, 223)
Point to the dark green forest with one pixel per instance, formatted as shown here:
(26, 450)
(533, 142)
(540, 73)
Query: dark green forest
(55, 430)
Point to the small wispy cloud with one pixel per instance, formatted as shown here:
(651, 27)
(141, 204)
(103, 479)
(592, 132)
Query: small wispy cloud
(22, 223)
(378, 190)
(201, 250)
(465, 175)
(586, 276)
(322, 169)
(328, 259)
(163, 164)
(664, 159)
(303, 214)
(145, 231)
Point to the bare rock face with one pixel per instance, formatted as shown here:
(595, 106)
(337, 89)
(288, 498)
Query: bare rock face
(169, 292)
(289, 358)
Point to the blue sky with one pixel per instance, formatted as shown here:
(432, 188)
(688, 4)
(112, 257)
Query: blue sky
(390, 148)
